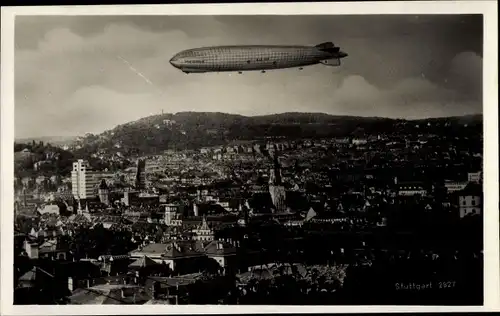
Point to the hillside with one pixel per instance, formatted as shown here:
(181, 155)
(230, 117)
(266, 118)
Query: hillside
(41, 159)
(191, 130)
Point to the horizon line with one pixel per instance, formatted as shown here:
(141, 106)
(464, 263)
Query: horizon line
(257, 115)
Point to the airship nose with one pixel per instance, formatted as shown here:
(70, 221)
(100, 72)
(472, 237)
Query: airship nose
(342, 54)
(174, 62)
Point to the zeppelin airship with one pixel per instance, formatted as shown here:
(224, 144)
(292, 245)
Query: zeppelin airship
(255, 58)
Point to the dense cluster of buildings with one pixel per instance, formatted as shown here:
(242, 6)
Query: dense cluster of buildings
(183, 213)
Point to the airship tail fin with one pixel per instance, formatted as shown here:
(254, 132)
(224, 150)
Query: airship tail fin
(327, 47)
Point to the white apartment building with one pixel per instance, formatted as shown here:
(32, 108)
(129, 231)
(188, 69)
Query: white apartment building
(83, 180)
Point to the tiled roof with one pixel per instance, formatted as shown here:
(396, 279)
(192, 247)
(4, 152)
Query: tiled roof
(145, 261)
(182, 248)
(155, 248)
(113, 257)
(78, 218)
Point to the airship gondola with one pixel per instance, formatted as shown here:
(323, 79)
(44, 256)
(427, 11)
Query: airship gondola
(255, 57)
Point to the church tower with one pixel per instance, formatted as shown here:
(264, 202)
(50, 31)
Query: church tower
(276, 188)
(103, 192)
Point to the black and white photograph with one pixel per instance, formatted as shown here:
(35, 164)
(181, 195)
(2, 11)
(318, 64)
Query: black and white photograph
(248, 160)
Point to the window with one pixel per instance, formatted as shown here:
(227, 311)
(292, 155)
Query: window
(473, 202)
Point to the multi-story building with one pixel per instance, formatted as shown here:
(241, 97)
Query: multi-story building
(470, 200)
(83, 180)
(476, 177)
(172, 215)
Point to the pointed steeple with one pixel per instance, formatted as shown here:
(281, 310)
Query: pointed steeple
(103, 185)
(204, 224)
(275, 172)
(340, 207)
(310, 214)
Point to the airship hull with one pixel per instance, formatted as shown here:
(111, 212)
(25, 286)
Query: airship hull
(248, 58)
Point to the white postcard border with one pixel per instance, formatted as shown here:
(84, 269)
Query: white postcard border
(490, 114)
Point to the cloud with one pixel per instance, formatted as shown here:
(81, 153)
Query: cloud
(466, 74)
(71, 81)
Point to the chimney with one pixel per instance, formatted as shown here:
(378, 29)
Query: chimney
(88, 283)
(70, 284)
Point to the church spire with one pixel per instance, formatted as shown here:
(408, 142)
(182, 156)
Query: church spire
(204, 224)
(275, 172)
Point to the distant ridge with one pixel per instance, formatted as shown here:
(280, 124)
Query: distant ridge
(299, 117)
(54, 140)
(192, 130)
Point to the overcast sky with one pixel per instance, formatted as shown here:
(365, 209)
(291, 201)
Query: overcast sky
(69, 79)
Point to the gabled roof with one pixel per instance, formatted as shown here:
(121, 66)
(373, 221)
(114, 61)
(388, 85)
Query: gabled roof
(143, 262)
(113, 258)
(31, 275)
(310, 214)
(204, 224)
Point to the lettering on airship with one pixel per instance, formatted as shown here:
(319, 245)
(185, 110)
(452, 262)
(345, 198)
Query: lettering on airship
(262, 59)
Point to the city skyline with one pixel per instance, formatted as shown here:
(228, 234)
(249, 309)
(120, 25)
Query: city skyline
(70, 78)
